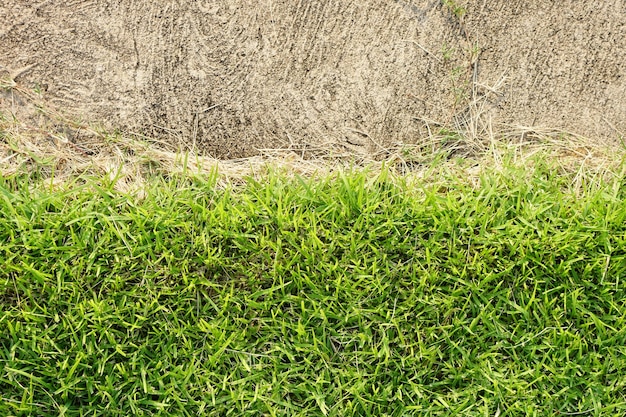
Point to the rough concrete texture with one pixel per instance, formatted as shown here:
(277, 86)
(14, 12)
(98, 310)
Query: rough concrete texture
(238, 76)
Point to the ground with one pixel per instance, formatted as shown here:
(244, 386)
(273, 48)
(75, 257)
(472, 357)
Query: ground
(239, 78)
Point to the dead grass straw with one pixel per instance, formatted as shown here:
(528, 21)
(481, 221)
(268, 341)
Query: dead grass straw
(35, 136)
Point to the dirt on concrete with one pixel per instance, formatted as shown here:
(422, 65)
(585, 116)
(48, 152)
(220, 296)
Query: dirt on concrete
(238, 77)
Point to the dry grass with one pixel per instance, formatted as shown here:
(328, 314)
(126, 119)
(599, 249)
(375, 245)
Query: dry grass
(34, 136)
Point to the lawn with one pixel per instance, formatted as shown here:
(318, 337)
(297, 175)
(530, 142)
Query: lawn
(346, 294)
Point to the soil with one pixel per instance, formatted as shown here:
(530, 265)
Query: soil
(238, 77)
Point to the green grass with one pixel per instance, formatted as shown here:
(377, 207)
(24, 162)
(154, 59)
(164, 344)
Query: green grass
(347, 295)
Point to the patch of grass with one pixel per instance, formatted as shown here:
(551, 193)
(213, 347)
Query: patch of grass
(347, 295)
